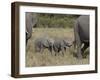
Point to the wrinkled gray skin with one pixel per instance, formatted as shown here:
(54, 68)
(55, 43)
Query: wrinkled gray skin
(81, 32)
(60, 45)
(31, 20)
(43, 43)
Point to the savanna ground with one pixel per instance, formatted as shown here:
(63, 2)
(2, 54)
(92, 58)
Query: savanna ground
(46, 59)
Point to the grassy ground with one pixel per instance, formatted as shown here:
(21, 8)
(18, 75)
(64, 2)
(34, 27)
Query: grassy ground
(46, 59)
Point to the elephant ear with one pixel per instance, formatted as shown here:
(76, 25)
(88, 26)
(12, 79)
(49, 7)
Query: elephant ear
(51, 41)
(45, 43)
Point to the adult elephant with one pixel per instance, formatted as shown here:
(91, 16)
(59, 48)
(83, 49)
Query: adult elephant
(81, 32)
(31, 20)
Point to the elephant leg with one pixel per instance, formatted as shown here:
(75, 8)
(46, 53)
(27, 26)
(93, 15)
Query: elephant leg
(62, 49)
(51, 50)
(79, 44)
(74, 44)
(77, 40)
(79, 55)
(56, 52)
(41, 48)
(65, 49)
(59, 50)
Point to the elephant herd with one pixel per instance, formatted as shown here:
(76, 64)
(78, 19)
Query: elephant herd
(56, 45)
(81, 35)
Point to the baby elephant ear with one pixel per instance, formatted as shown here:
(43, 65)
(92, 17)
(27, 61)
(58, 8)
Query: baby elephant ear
(70, 44)
(67, 43)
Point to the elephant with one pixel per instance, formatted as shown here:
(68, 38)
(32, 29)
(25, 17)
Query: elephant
(81, 33)
(43, 43)
(31, 20)
(60, 45)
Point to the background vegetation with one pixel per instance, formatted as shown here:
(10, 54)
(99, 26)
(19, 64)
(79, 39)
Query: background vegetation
(53, 26)
(55, 20)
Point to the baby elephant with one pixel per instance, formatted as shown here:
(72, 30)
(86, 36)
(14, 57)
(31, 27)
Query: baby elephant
(60, 45)
(43, 43)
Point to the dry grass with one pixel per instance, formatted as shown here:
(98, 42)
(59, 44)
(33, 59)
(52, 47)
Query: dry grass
(46, 58)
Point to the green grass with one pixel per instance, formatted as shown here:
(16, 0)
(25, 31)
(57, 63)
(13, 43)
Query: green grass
(46, 59)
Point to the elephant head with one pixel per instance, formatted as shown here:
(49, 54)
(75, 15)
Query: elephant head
(31, 20)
